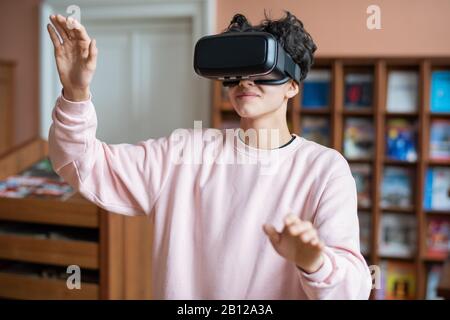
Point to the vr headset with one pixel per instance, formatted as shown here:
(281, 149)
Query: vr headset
(235, 56)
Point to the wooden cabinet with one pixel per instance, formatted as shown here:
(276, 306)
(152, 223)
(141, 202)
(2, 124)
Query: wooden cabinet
(112, 251)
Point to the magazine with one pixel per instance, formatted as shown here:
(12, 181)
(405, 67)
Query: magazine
(359, 138)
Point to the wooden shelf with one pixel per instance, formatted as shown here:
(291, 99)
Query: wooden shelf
(438, 212)
(360, 160)
(432, 162)
(337, 113)
(409, 210)
(17, 286)
(392, 162)
(396, 258)
(321, 111)
(358, 113)
(439, 115)
(46, 251)
(434, 260)
(401, 114)
(104, 254)
(72, 212)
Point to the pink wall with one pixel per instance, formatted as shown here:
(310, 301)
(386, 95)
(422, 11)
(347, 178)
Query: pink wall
(19, 40)
(409, 27)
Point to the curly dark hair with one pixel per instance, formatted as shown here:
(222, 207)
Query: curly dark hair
(289, 31)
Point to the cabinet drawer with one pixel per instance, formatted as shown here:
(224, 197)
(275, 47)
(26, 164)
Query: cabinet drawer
(79, 213)
(48, 251)
(18, 286)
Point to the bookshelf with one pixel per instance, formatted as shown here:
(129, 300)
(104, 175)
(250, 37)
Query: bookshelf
(337, 113)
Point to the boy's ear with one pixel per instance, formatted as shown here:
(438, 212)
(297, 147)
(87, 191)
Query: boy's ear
(293, 89)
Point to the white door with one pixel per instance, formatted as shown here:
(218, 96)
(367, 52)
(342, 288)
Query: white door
(143, 86)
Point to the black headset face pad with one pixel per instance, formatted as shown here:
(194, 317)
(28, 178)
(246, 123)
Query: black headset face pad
(232, 83)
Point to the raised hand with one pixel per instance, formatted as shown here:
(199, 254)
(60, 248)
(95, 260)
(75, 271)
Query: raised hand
(298, 242)
(76, 56)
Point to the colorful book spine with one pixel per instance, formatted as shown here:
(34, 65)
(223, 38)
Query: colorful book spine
(401, 140)
(316, 90)
(440, 139)
(402, 91)
(440, 91)
(358, 90)
(437, 189)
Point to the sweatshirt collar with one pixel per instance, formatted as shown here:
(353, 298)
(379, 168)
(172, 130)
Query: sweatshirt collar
(254, 152)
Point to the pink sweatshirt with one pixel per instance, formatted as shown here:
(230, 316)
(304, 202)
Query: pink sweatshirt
(209, 208)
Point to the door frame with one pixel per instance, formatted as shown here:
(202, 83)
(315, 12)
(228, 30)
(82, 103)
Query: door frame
(201, 12)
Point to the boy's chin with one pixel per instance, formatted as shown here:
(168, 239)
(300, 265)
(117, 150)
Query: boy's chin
(249, 110)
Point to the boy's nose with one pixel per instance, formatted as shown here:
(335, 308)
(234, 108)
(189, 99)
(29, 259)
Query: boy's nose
(246, 82)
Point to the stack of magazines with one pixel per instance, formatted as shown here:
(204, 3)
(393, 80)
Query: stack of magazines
(37, 181)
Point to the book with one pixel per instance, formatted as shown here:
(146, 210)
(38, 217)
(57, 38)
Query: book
(402, 91)
(398, 280)
(37, 181)
(440, 139)
(438, 238)
(365, 223)
(358, 90)
(316, 89)
(401, 140)
(437, 189)
(396, 188)
(433, 277)
(359, 135)
(316, 129)
(440, 91)
(397, 235)
(362, 175)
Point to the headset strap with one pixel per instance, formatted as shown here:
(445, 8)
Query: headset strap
(291, 68)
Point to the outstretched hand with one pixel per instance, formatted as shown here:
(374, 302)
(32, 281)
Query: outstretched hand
(76, 56)
(298, 242)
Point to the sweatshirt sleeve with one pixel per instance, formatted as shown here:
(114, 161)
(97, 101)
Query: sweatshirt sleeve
(121, 178)
(344, 273)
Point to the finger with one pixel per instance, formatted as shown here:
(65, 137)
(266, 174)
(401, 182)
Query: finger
(62, 33)
(66, 25)
(70, 23)
(290, 219)
(272, 233)
(298, 227)
(93, 52)
(62, 22)
(321, 245)
(53, 36)
(309, 235)
(79, 31)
